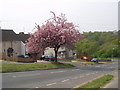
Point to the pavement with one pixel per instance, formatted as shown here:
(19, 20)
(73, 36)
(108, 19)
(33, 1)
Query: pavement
(59, 78)
(113, 83)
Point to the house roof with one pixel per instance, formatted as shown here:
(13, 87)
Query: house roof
(10, 35)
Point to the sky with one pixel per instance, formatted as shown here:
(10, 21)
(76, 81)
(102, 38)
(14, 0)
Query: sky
(90, 15)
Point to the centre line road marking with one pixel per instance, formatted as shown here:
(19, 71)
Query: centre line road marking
(65, 80)
(57, 72)
(50, 84)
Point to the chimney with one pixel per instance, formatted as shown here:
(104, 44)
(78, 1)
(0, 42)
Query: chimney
(21, 32)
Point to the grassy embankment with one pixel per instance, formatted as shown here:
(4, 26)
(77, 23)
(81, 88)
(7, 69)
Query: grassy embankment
(97, 83)
(9, 67)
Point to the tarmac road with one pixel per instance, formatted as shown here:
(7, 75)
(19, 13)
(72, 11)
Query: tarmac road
(57, 78)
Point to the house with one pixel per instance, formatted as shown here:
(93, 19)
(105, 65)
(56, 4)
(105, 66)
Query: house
(67, 52)
(12, 44)
(63, 52)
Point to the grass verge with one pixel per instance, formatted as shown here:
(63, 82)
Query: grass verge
(97, 83)
(92, 63)
(11, 67)
(78, 60)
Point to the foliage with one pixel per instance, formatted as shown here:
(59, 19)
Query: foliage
(86, 47)
(109, 49)
(99, 44)
(54, 33)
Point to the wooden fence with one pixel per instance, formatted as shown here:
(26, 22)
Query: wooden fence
(17, 59)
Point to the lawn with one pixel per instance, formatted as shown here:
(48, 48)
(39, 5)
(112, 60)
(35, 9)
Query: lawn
(8, 67)
(97, 83)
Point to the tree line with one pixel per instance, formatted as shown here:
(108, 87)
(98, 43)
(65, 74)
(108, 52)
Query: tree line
(99, 44)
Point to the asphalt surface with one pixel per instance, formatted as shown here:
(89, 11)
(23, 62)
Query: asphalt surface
(58, 78)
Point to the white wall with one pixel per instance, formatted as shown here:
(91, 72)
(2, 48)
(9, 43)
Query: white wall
(22, 48)
(49, 51)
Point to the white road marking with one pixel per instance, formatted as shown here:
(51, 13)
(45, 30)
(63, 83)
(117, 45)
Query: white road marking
(50, 84)
(112, 67)
(32, 71)
(13, 76)
(57, 72)
(28, 75)
(88, 74)
(65, 80)
(75, 78)
(36, 87)
(81, 76)
(7, 73)
(97, 66)
(75, 69)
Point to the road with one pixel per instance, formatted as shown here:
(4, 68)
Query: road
(57, 78)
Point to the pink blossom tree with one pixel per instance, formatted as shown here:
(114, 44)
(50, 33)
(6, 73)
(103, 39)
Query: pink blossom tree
(54, 33)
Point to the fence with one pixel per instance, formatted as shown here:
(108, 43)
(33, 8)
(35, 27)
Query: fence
(17, 59)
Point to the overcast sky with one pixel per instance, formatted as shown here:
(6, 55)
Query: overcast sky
(90, 15)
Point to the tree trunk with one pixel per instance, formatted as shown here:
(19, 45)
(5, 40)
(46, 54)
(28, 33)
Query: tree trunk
(55, 56)
(34, 56)
(56, 51)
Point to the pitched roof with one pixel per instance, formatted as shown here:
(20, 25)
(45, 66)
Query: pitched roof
(10, 35)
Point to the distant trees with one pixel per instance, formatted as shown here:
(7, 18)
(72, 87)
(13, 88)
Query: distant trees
(99, 44)
(54, 33)
(86, 47)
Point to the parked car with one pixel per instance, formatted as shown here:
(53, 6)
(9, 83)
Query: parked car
(86, 58)
(48, 57)
(94, 60)
(24, 56)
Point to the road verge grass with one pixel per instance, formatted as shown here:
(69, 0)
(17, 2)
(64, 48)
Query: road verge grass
(80, 60)
(96, 84)
(12, 67)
